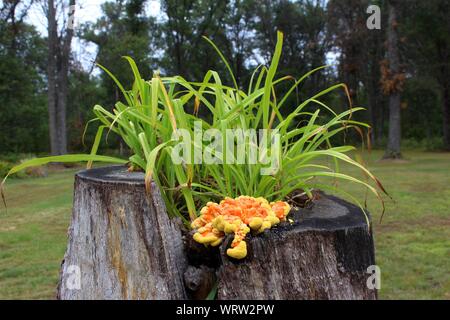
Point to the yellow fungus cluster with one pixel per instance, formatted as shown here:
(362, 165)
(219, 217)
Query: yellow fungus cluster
(237, 216)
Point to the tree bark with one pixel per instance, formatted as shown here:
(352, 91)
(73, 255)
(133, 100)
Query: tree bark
(394, 138)
(58, 72)
(121, 240)
(51, 76)
(323, 255)
(63, 84)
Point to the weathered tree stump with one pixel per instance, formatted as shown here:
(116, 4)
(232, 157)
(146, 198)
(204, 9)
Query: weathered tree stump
(122, 240)
(126, 247)
(324, 254)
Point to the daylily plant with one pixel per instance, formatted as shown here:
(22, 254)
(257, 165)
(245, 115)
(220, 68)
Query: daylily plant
(153, 110)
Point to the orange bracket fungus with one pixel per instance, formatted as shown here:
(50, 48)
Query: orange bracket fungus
(237, 216)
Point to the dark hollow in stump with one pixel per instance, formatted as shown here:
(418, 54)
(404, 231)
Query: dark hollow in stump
(126, 247)
(324, 254)
(121, 240)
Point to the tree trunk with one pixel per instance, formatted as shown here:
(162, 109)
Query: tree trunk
(51, 76)
(63, 84)
(325, 255)
(58, 82)
(121, 240)
(394, 138)
(372, 83)
(125, 247)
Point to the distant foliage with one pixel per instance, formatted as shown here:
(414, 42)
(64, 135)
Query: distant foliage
(316, 33)
(23, 110)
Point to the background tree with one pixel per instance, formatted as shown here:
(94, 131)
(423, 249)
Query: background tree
(317, 32)
(305, 45)
(360, 52)
(85, 91)
(59, 41)
(23, 119)
(427, 31)
(238, 39)
(392, 81)
(123, 30)
(185, 22)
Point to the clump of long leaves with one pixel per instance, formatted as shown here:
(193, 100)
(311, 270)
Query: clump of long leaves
(301, 146)
(153, 110)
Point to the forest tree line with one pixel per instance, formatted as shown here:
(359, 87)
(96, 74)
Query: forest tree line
(399, 72)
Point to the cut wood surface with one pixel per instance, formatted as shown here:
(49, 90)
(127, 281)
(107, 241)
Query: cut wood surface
(126, 247)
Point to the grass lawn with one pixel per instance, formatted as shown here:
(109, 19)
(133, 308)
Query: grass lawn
(412, 243)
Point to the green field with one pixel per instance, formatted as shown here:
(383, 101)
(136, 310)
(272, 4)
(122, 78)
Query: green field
(412, 243)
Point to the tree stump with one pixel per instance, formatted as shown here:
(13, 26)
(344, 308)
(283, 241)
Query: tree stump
(121, 240)
(324, 254)
(126, 247)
